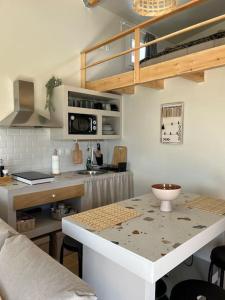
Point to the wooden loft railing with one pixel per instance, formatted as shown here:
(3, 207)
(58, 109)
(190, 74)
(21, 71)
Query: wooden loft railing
(190, 66)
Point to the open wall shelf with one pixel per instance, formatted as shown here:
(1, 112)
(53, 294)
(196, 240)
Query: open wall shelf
(69, 99)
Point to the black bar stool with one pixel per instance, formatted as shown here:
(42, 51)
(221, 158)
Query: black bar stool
(193, 289)
(72, 245)
(218, 259)
(160, 290)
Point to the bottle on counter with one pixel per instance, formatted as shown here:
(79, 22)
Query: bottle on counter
(89, 158)
(1, 167)
(55, 163)
(99, 155)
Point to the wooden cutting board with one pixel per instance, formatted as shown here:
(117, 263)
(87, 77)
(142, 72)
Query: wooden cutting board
(119, 155)
(77, 155)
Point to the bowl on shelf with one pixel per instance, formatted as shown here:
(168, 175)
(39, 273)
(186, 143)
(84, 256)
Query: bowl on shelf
(108, 132)
(107, 127)
(166, 193)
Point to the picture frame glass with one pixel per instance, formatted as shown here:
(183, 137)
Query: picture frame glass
(172, 123)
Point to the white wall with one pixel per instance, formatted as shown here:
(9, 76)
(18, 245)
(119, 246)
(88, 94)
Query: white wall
(198, 164)
(42, 38)
(39, 39)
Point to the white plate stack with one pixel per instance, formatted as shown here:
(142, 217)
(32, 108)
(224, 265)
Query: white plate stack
(107, 129)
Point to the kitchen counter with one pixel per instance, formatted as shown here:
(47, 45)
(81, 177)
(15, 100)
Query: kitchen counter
(142, 250)
(118, 186)
(60, 180)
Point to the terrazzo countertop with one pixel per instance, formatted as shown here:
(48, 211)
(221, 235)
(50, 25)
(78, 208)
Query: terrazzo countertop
(154, 234)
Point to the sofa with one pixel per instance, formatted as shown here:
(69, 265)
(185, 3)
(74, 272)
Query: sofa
(26, 272)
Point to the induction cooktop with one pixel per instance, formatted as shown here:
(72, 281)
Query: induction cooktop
(32, 177)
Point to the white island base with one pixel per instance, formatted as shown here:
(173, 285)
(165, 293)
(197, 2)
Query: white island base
(102, 273)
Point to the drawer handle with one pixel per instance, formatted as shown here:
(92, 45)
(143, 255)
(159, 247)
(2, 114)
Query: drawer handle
(53, 195)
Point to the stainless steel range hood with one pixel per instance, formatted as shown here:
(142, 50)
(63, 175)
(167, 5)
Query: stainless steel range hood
(24, 114)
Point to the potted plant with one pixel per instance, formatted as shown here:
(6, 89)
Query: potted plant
(50, 85)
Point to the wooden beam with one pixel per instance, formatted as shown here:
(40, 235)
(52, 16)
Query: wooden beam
(195, 62)
(158, 84)
(83, 70)
(111, 83)
(130, 90)
(109, 58)
(196, 76)
(149, 22)
(137, 37)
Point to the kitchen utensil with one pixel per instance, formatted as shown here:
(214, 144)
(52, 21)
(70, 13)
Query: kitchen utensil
(114, 107)
(77, 155)
(122, 166)
(166, 193)
(99, 155)
(1, 167)
(119, 155)
(5, 172)
(108, 106)
(98, 105)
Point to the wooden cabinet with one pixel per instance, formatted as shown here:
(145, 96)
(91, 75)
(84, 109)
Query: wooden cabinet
(81, 101)
(45, 197)
(38, 204)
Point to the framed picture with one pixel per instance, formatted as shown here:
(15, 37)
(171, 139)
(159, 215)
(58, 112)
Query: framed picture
(172, 123)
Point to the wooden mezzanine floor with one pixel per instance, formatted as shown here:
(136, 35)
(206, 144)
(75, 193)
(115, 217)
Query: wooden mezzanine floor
(190, 66)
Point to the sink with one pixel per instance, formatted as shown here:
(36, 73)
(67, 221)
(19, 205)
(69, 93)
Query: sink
(91, 172)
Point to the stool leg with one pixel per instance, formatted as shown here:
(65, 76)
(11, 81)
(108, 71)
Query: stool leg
(221, 278)
(210, 272)
(61, 254)
(80, 262)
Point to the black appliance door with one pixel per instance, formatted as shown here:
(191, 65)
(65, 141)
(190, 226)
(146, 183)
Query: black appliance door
(80, 124)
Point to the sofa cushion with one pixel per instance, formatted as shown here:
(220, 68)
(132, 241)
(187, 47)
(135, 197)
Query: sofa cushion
(27, 272)
(5, 232)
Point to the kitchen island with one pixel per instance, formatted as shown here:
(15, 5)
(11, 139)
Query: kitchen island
(125, 261)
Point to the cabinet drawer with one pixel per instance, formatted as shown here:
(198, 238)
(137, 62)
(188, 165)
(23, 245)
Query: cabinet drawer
(45, 197)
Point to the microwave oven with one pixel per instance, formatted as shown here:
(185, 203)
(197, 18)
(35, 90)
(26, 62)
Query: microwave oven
(82, 124)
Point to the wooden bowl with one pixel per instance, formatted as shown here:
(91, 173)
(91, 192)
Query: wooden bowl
(166, 192)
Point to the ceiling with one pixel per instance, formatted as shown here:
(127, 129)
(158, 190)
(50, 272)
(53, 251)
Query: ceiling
(206, 10)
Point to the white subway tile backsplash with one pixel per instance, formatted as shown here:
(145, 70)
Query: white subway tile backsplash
(12, 131)
(31, 149)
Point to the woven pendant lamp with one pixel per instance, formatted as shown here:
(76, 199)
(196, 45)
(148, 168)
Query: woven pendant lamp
(153, 7)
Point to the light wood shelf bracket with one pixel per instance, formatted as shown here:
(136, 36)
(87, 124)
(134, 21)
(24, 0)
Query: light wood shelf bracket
(196, 76)
(157, 84)
(130, 90)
